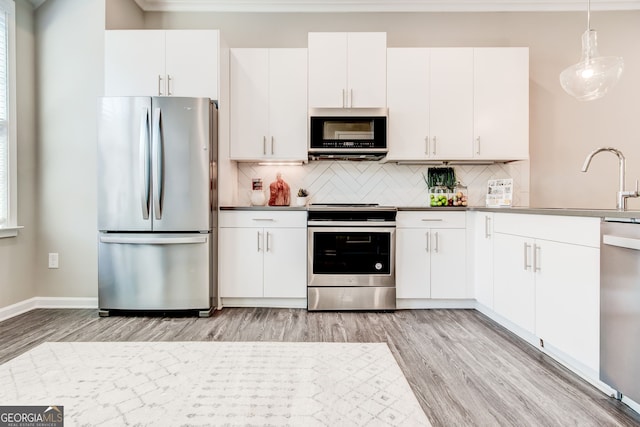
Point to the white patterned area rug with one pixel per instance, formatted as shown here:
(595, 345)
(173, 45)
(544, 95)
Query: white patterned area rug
(214, 384)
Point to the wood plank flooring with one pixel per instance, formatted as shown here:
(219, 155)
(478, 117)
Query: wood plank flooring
(464, 369)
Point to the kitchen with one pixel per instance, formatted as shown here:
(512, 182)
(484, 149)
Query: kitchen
(562, 131)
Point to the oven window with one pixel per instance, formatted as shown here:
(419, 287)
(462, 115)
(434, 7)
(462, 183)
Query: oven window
(349, 252)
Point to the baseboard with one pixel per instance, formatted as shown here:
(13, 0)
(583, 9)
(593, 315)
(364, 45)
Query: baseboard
(45, 302)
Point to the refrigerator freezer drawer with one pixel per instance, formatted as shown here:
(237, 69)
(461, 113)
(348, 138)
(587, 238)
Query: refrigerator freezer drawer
(155, 271)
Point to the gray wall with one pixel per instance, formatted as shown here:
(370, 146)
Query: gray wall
(57, 174)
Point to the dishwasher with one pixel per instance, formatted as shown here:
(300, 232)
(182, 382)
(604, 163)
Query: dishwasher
(620, 306)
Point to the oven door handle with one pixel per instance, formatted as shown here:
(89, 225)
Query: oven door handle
(352, 224)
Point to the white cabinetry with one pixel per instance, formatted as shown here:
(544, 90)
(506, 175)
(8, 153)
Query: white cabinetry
(546, 281)
(262, 258)
(483, 257)
(501, 103)
(430, 101)
(347, 70)
(268, 104)
(458, 103)
(161, 63)
(431, 255)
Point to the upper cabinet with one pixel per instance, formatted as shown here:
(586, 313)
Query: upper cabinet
(161, 63)
(347, 70)
(501, 103)
(458, 104)
(268, 108)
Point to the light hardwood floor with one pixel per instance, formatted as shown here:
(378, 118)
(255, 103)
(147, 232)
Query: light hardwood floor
(464, 368)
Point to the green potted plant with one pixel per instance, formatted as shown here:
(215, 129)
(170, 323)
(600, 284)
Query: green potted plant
(303, 196)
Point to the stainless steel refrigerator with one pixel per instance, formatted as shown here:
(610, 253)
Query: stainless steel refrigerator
(157, 204)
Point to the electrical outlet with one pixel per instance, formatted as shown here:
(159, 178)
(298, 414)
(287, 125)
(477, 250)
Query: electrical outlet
(53, 260)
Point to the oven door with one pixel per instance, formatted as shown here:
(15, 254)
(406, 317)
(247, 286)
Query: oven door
(351, 256)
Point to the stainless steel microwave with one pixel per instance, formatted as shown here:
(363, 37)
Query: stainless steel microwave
(354, 133)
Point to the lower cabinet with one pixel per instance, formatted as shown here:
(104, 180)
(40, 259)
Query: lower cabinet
(546, 273)
(262, 254)
(431, 255)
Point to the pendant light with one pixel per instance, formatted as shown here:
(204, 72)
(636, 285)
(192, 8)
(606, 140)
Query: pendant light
(594, 75)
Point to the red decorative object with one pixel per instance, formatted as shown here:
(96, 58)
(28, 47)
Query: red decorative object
(280, 193)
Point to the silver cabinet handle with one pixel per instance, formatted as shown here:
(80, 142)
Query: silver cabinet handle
(272, 145)
(351, 98)
(526, 256)
(258, 234)
(427, 240)
(435, 249)
(434, 145)
(268, 241)
(159, 84)
(169, 92)
(486, 227)
(536, 257)
(431, 219)
(344, 103)
(426, 146)
(478, 145)
(264, 145)
(262, 219)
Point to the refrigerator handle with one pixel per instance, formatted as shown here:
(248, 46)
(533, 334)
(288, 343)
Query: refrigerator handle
(156, 152)
(144, 163)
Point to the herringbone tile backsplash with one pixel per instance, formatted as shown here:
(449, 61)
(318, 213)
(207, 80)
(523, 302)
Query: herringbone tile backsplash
(383, 183)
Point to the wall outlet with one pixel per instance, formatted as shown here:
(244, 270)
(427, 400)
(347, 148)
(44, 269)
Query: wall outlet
(53, 260)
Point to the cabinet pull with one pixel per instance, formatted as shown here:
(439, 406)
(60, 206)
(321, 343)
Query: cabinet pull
(258, 241)
(478, 145)
(426, 146)
(435, 249)
(344, 104)
(268, 241)
(169, 92)
(431, 219)
(434, 145)
(264, 145)
(159, 84)
(427, 240)
(262, 219)
(536, 258)
(527, 266)
(351, 98)
(486, 227)
(272, 152)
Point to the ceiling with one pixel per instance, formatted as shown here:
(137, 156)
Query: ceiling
(384, 5)
(378, 5)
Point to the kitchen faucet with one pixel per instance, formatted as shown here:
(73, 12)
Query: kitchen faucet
(621, 202)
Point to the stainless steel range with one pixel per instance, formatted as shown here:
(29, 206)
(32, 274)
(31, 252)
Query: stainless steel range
(351, 257)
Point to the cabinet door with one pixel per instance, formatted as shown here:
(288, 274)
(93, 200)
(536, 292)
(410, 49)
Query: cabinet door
(285, 263)
(513, 280)
(412, 263)
(134, 63)
(192, 63)
(249, 103)
(448, 263)
(241, 262)
(483, 251)
(501, 103)
(288, 104)
(568, 300)
(408, 103)
(366, 69)
(327, 69)
(451, 109)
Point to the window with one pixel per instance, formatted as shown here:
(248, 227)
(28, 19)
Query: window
(8, 175)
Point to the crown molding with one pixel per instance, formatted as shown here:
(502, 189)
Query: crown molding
(382, 5)
(36, 3)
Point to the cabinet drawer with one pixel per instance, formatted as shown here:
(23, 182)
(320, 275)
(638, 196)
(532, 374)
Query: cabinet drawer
(431, 219)
(263, 219)
(568, 229)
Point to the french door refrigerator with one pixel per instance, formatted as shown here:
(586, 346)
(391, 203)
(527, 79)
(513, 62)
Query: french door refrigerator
(157, 204)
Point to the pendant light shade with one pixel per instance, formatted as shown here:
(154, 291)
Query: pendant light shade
(594, 75)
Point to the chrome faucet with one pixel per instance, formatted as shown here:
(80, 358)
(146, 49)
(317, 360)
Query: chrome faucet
(621, 202)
